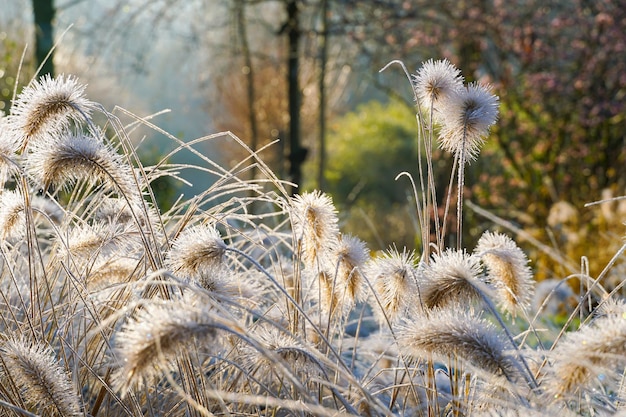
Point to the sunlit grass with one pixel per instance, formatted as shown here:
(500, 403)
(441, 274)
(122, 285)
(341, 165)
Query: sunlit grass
(245, 300)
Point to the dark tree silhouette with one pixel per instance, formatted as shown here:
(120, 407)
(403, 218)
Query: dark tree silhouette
(44, 12)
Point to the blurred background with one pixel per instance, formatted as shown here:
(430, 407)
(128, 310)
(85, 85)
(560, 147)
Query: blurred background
(306, 72)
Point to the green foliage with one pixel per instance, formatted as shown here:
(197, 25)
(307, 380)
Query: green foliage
(367, 149)
(10, 53)
(164, 187)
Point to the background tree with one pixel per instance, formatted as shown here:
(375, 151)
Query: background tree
(44, 12)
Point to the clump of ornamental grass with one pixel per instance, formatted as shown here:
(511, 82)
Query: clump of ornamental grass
(246, 300)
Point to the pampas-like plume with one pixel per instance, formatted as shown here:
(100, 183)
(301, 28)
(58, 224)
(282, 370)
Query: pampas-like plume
(46, 108)
(395, 284)
(84, 241)
(351, 255)
(120, 211)
(12, 217)
(450, 278)
(42, 383)
(149, 342)
(110, 270)
(455, 332)
(468, 114)
(435, 81)
(328, 299)
(315, 222)
(583, 355)
(282, 346)
(508, 269)
(68, 158)
(8, 148)
(197, 252)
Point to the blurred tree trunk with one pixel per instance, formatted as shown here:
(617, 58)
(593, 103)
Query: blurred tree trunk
(44, 12)
(297, 154)
(323, 40)
(249, 72)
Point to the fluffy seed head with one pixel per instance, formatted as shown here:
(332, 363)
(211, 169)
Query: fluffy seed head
(508, 269)
(467, 116)
(327, 293)
(279, 346)
(8, 149)
(46, 108)
(110, 270)
(450, 278)
(65, 159)
(120, 211)
(198, 251)
(435, 81)
(455, 332)
(152, 339)
(315, 222)
(351, 257)
(395, 284)
(582, 355)
(12, 217)
(85, 242)
(43, 384)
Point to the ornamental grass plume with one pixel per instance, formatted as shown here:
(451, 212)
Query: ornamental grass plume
(351, 255)
(453, 332)
(197, 252)
(67, 158)
(85, 241)
(110, 270)
(468, 114)
(508, 270)
(451, 278)
(582, 356)
(315, 224)
(282, 346)
(42, 383)
(139, 214)
(434, 82)
(150, 341)
(47, 107)
(12, 217)
(8, 149)
(327, 296)
(395, 283)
